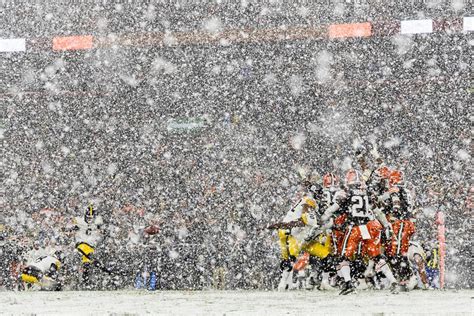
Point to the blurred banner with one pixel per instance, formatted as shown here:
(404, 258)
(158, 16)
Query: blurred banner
(72, 42)
(416, 26)
(186, 124)
(350, 30)
(442, 247)
(12, 45)
(468, 23)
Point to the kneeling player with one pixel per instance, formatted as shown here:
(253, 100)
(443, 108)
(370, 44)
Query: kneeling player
(42, 272)
(291, 232)
(417, 258)
(288, 231)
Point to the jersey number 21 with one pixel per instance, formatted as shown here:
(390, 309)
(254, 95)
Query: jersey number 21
(360, 206)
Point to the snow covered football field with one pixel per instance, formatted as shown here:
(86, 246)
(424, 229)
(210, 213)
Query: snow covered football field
(237, 303)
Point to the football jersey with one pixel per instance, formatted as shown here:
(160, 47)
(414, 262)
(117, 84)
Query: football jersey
(296, 213)
(89, 233)
(355, 204)
(44, 263)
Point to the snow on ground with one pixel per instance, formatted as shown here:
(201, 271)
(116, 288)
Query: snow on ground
(237, 303)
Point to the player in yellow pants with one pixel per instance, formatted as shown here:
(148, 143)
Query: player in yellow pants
(319, 248)
(89, 233)
(42, 272)
(86, 250)
(291, 247)
(291, 230)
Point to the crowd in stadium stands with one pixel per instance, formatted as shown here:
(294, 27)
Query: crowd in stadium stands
(97, 126)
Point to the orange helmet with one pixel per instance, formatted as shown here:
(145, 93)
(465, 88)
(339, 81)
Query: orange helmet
(330, 180)
(353, 177)
(383, 172)
(396, 177)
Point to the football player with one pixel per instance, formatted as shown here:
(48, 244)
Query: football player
(362, 232)
(401, 217)
(89, 233)
(292, 230)
(41, 271)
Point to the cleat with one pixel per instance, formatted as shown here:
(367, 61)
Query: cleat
(394, 288)
(404, 286)
(310, 283)
(348, 287)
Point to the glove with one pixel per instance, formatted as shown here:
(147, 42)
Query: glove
(374, 152)
(360, 151)
(59, 255)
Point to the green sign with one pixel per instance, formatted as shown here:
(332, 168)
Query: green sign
(186, 124)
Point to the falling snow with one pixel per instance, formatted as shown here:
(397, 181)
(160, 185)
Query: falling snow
(191, 127)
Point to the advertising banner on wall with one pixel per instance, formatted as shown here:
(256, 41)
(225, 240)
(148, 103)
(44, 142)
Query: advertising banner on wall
(12, 45)
(468, 23)
(416, 26)
(186, 124)
(73, 42)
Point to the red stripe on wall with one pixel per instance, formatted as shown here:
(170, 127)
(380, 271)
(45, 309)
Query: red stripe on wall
(350, 30)
(72, 42)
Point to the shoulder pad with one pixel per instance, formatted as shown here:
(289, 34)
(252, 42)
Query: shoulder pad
(309, 219)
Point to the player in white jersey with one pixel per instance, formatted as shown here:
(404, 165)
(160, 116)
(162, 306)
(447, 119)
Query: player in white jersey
(41, 271)
(89, 233)
(289, 229)
(293, 228)
(417, 258)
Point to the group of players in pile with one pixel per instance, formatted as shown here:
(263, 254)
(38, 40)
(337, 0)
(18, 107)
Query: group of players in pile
(355, 235)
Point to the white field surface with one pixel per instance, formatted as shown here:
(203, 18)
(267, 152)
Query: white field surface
(237, 303)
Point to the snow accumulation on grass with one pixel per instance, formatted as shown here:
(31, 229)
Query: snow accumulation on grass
(237, 303)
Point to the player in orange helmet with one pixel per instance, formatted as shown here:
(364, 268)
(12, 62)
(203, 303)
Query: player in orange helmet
(377, 183)
(378, 190)
(401, 216)
(363, 230)
(330, 180)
